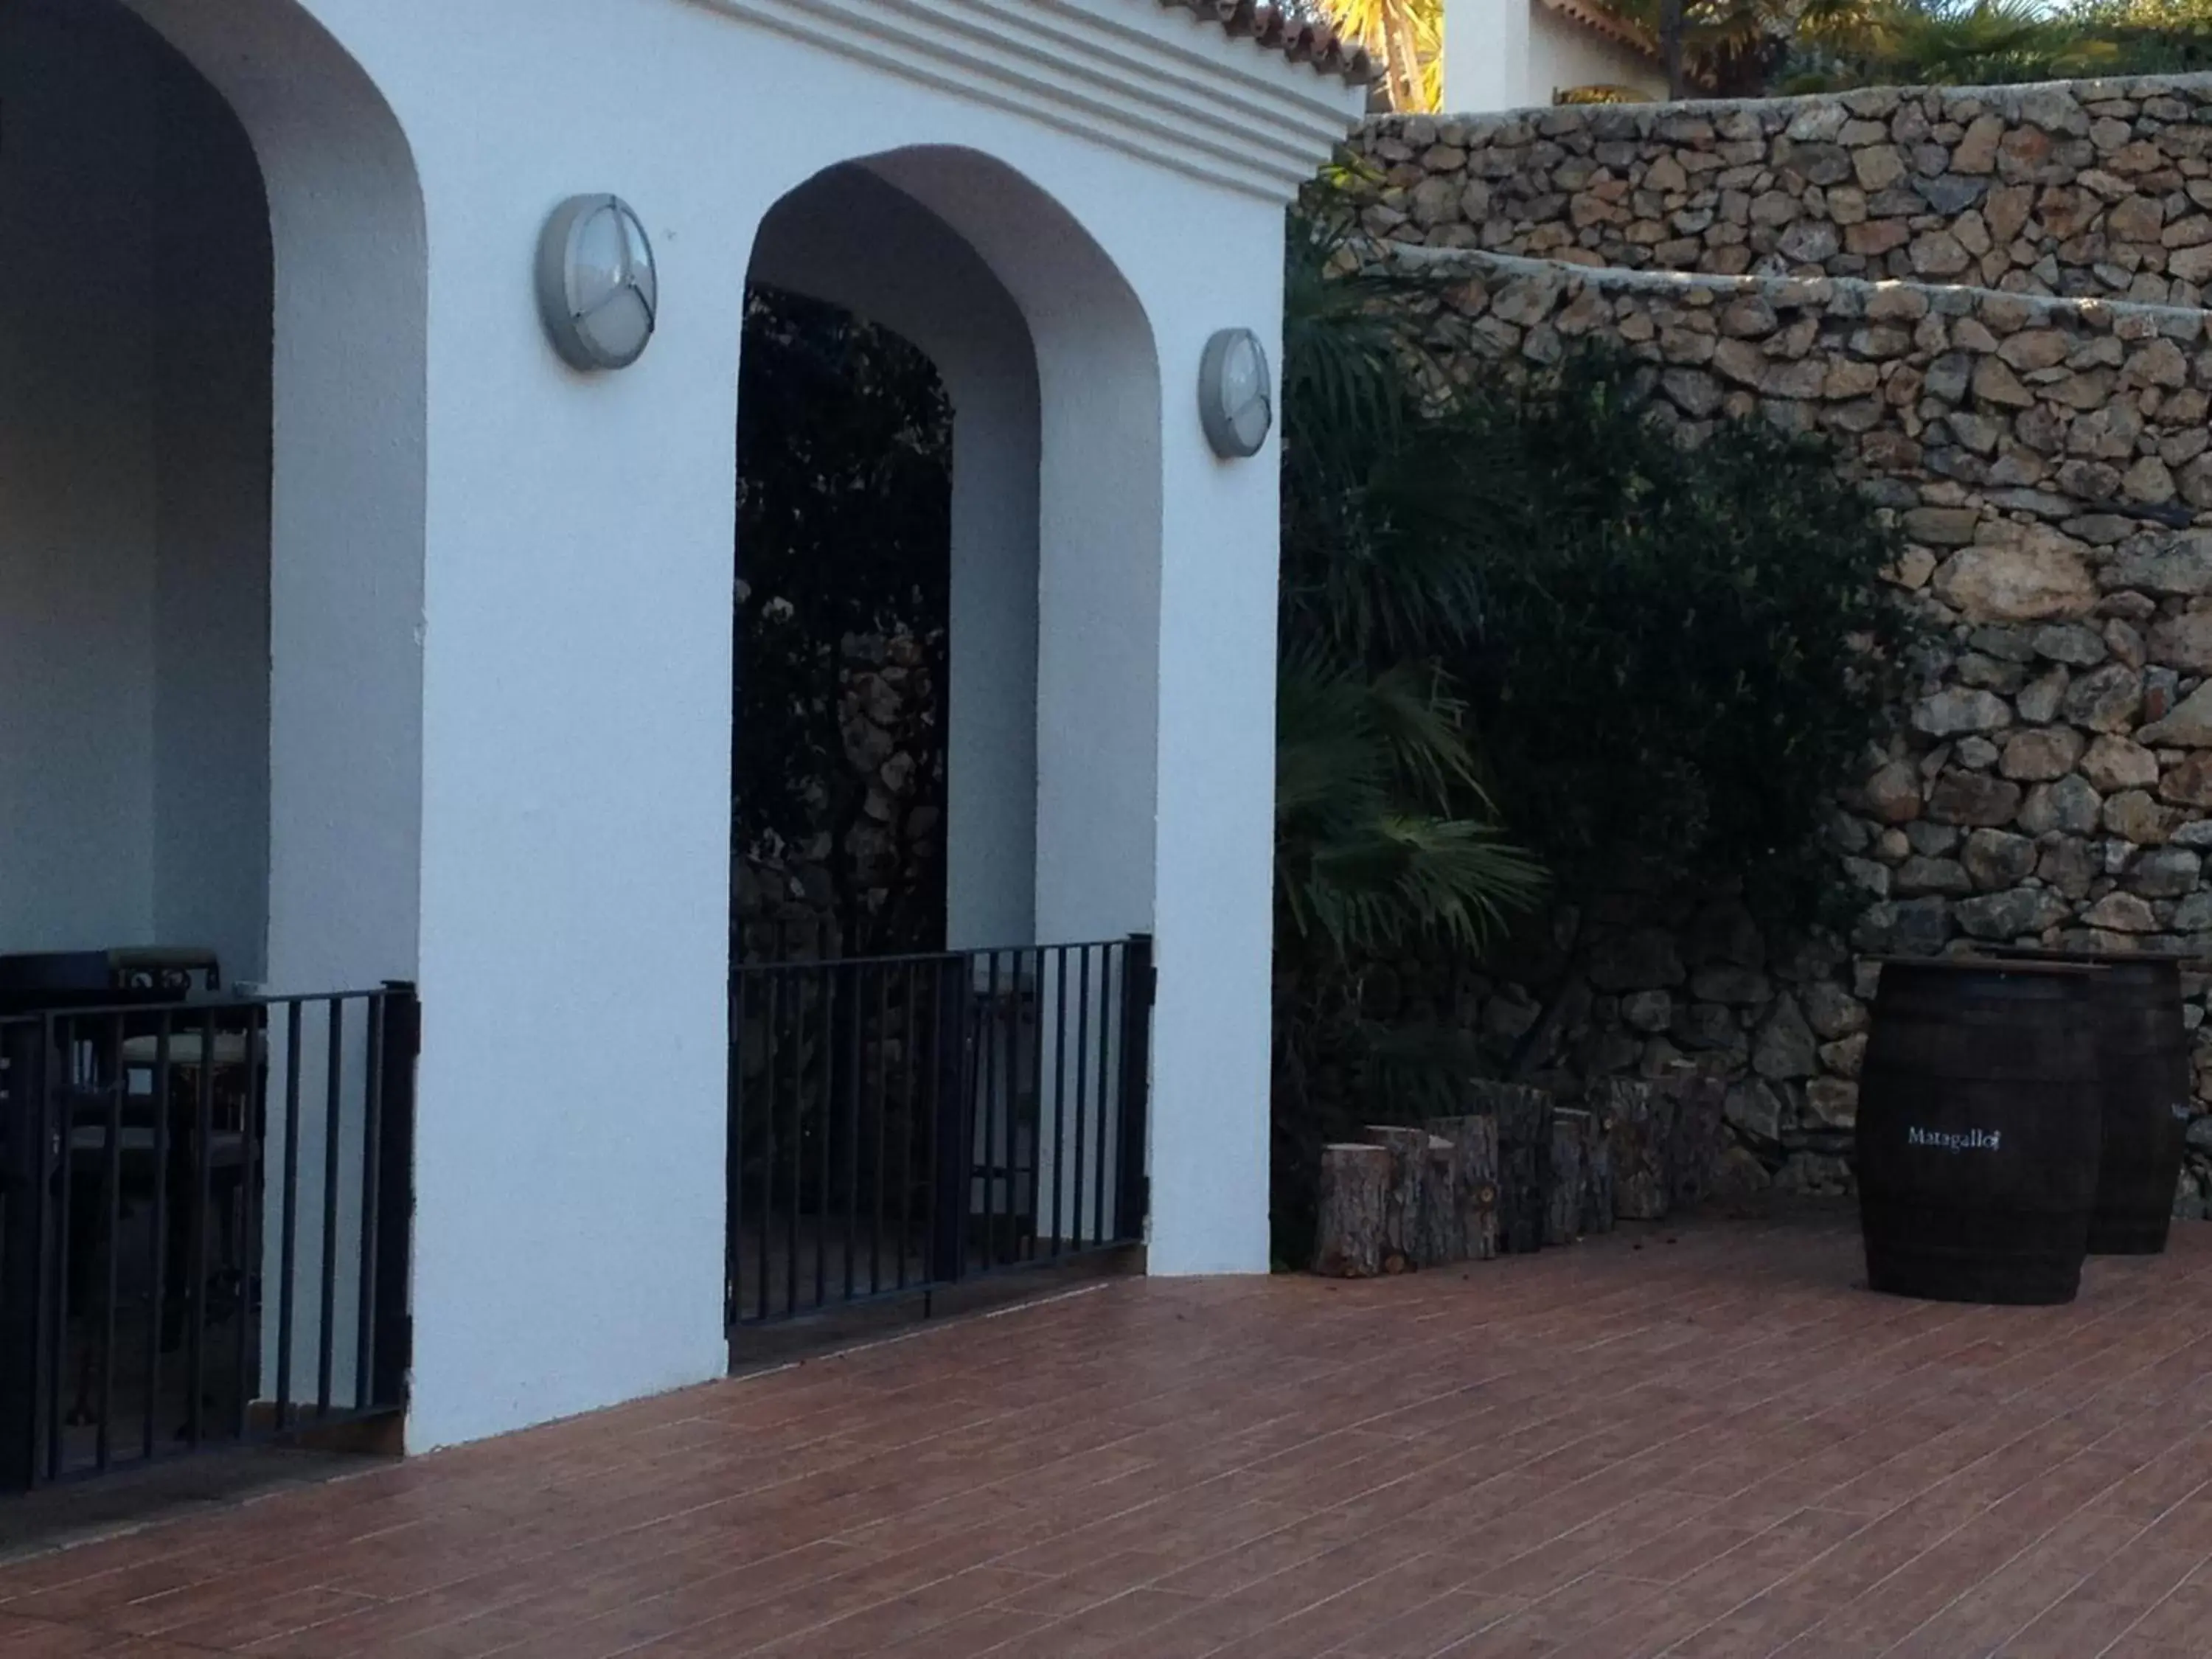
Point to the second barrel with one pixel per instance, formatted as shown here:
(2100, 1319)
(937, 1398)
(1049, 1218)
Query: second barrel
(1979, 1129)
(2144, 1047)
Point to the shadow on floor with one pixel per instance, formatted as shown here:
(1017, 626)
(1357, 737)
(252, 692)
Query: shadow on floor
(85, 1511)
(756, 1347)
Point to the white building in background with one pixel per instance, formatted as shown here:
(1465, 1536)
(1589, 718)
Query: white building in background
(350, 630)
(1521, 54)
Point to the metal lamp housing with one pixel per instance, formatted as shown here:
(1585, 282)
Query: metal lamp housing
(597, 286)
(1236, 393)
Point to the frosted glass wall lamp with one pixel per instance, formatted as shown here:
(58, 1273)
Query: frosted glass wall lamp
(597, 286)
(1236, 393)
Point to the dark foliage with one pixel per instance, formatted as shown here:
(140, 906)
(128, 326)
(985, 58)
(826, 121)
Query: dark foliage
(1684, 650)
(844, 501)
(1527, 617)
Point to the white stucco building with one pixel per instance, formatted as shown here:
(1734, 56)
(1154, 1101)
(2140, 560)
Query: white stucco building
(1522, 54)
(349, 631)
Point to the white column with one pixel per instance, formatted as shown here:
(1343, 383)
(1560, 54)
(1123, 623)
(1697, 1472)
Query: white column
(1486, 57)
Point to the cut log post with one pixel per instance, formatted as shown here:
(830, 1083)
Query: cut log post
(1355, 1199)
(1643, 1120)
(1598, 1176)
(1474, 1181)
(1441, 1238)
(1570, 1144)
(1524, 1155)
(1401, 1208)
(1693, 1155)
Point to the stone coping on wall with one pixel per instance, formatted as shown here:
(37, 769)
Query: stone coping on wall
(2126, 317)
(2078, 188)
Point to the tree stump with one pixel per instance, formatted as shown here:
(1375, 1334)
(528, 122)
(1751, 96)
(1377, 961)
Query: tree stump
(1693, 1156)
(1643, 1120)
(1570, 1171)
(1598, 1176)
(1474, 1198)
(1402, 1203)
(1355, 1201)
(1524, 1156)
(1442, 1238)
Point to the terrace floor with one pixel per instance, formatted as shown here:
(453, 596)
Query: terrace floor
(1702, 1443)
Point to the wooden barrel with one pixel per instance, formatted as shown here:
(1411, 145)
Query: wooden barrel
(1978, 1130)
(2143, 1045)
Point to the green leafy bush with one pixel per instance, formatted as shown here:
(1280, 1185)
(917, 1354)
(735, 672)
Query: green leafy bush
(1683, 650)
(1525, 626)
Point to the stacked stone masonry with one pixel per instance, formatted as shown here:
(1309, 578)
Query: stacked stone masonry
(2047, 459)
(2084, 188)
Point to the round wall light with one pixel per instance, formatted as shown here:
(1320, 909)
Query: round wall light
(597, 283)
(1236, 393)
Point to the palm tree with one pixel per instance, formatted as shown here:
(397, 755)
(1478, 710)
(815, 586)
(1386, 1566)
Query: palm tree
(1406, 36)
(1386, 841)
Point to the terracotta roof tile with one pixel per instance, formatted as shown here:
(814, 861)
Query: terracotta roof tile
(1611, 25)
(1279, 28)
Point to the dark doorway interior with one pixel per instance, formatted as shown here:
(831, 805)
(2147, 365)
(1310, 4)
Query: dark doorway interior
(844, 547)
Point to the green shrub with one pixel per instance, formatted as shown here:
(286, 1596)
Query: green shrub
(1684, 651)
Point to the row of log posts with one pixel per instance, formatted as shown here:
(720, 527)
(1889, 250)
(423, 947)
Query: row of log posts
(1409, 1197)
(1516, 1172)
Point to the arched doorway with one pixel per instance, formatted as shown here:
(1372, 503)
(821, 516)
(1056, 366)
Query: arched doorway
(978, 1103)
(211, 538)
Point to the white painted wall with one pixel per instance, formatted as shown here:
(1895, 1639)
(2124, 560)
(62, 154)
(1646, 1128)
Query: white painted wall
(212, 280)
(1563, 55)
(346, 516)
(1487, 56)
(850, 238)
(78, 492)
(134, 490)
(558, 548)
(1517, 54)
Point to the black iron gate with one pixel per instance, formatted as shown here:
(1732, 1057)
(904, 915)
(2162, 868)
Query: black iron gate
(902, 1124)
(204, 1219)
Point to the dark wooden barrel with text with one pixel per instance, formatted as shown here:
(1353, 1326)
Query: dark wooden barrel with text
(2144, 1051)
(1979, 1132)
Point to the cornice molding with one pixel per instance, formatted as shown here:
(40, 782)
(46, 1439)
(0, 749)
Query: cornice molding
(1163, 85)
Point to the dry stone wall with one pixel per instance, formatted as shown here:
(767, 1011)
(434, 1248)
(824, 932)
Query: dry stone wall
(2047, 460)
(828, 895)
(2083, 188)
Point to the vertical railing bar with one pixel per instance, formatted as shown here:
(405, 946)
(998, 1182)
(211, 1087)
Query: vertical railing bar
(768, 1128)
(993, 1032)
(1036, 1097)
(855, 1019)
(1136, 1085)
(912, 1095)
(768, 1135)
(24, 1234)
(952, 1128)
(196, 1288)
(797, 1141)
(59, 1074)
(252, 1110)
(371, 1132)
(111, 1225)
(1081, 1089)
(883, 1113)
(327, 1354)
(158, 1245)
(733, 1161)
(287, 1265)
(1059, 1096)
(827, 1122)
(1105, 1094)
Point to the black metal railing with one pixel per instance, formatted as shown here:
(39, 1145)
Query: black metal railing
(902, 1124)
(204, 1224)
